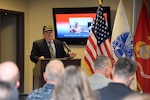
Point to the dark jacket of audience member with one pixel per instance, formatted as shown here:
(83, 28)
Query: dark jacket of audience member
(123, 74)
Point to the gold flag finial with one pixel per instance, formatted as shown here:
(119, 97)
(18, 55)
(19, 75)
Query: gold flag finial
(100, 2)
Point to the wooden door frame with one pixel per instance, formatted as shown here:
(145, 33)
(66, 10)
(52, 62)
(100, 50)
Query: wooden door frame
(20, 43)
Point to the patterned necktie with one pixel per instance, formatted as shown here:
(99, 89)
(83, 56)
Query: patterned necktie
(51, 50)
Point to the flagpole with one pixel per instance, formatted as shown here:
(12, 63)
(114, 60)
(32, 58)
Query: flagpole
(133, 17)
(100, 2)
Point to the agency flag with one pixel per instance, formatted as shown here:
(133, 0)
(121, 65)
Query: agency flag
(122, 39)
(142, 48)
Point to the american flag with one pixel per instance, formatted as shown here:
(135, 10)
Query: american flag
(98, 41)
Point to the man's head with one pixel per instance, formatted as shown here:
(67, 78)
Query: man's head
(48, 32)
(8, 92)
(124, 70)
(9, 72)
(102, 64)
(53, 70)
(73, 85)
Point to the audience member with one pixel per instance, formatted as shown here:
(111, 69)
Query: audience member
(102, 71)
(123, 74)
(9, 72)
(137, 97)
(8, 91)
(52, 71)
(48, 47)
(73, 85)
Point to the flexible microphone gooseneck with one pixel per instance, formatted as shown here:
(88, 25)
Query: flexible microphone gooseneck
(67, 47)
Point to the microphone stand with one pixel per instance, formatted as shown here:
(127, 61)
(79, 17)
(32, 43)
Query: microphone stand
(68, 58)
(68, 50)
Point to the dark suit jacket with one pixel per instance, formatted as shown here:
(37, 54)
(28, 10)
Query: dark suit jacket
(40, 48)
(114, 91)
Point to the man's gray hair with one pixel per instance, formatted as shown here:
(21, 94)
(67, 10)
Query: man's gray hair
(51, 69)
(101, 62)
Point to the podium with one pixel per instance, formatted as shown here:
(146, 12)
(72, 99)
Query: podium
(39, 69)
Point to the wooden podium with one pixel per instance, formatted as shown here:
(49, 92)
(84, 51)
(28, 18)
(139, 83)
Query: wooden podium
(38, 80)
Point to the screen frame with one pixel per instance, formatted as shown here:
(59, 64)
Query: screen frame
(78, 41)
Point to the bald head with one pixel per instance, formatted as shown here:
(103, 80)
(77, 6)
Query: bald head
(9, 72)
(53, 70)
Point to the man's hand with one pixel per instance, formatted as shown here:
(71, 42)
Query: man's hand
(73, 54)
(42, 57)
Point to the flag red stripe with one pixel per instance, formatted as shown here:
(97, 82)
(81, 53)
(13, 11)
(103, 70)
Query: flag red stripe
(88, 63)
(100, 50)
(92, 43)
(90, 53)
(107, 49)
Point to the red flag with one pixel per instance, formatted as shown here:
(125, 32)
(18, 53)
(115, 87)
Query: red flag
(98, 42)
(142, 48)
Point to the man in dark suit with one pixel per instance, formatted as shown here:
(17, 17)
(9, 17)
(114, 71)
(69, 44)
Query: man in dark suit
(41, 48)
(123, 74)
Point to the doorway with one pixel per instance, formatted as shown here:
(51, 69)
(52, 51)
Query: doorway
(12, 40)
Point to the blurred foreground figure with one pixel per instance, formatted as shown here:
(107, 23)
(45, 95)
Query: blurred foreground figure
(137, 97)
(8, 92)
(73, 85)
(9, 72)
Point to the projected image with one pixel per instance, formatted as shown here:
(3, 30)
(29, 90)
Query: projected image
(80, 25)
(74, 25)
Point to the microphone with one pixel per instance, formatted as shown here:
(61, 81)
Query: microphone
(67, 47)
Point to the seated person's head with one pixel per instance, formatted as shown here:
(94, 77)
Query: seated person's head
(102, 64)
(124, 70)
(73, 85)
(137, 97)
(8, 92)
(9, 72)
(53, 70)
